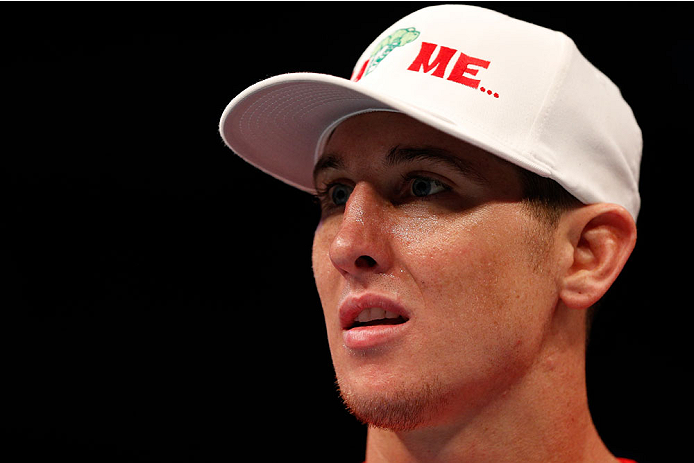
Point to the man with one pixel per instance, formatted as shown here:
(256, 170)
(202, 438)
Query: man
(478, 182)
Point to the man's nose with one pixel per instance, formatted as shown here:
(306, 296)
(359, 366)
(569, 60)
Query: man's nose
(362, 243)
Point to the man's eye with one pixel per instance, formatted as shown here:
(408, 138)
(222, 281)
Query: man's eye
(423, 186)
(339, 194)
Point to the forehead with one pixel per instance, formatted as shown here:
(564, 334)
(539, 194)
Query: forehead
(382, 139)
(389, 127)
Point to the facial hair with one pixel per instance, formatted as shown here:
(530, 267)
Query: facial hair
(403, 409)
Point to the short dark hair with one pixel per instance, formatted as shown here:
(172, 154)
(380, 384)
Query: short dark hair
(546, 199)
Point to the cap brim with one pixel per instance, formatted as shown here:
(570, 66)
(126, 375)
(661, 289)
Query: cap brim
(277, 124)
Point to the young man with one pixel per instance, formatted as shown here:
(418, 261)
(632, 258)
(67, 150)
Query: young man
(478, 181)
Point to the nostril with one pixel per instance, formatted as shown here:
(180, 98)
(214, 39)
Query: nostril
(365, 262)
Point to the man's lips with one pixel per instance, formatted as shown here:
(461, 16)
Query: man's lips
(370, 309)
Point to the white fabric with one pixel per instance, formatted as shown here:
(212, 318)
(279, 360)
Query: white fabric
(544, 106)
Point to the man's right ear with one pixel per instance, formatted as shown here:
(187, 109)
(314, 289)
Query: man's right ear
(602, 237)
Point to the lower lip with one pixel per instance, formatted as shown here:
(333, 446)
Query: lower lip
(367, 337)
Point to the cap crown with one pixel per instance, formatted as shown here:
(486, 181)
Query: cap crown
(519, 90)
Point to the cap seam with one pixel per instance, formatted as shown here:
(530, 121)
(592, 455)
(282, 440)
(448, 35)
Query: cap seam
(537, 127)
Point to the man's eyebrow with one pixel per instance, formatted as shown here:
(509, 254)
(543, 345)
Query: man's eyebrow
(399, 155)
(328, 161)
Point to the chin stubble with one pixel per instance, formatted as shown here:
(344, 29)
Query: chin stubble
(400, 409)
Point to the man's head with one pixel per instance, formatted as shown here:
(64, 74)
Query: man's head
(439, 235)
(478, 185)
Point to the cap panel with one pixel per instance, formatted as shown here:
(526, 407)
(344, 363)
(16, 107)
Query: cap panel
(591, 132)
(494, 46)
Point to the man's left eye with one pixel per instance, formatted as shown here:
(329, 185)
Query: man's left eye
(423, 186)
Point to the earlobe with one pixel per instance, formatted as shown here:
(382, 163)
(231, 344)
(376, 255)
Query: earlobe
(602, 237)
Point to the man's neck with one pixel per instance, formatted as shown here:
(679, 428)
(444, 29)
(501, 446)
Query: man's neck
(544, 419)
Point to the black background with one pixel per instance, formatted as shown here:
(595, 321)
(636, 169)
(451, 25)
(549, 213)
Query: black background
(157, 300)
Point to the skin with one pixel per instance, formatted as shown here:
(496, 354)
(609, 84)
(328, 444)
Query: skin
(490, 367)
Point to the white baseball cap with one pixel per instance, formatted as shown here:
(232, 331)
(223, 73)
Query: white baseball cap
(519, 91)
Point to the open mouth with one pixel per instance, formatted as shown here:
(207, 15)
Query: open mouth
(375, 316)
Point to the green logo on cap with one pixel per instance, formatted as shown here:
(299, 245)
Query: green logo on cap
(384, 47)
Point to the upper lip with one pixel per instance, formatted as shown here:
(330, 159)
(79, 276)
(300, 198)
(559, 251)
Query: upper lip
(353, 305)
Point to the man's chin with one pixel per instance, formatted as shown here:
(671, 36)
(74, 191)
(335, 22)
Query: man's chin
(402, 408)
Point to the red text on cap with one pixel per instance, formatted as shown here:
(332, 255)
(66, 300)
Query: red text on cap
(423, 62)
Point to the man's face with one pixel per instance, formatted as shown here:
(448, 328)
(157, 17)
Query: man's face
(436, 281)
